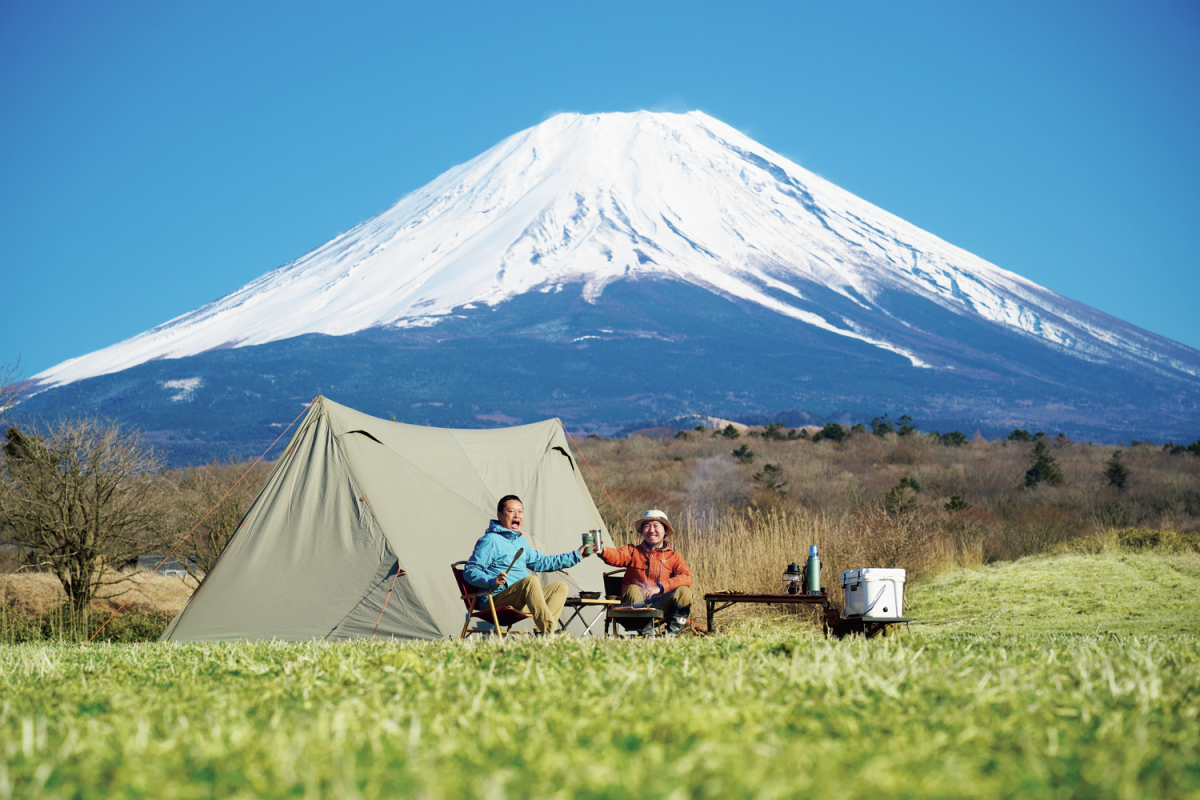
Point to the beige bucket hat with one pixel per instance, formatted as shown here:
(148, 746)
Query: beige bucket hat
(654, 514)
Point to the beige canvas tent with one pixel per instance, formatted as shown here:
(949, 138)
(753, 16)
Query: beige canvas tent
(357, 500)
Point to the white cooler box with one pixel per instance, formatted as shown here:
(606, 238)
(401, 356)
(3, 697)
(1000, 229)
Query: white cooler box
(874, 592)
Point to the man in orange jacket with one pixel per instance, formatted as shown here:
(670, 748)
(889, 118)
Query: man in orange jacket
(656, 575)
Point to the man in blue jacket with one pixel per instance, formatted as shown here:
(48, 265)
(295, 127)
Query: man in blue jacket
(488, 567)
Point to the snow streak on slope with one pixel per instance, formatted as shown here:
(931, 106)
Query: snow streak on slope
(599, 198)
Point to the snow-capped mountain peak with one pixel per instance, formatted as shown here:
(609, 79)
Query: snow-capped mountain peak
(593, 199)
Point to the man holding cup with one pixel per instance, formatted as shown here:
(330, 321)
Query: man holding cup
(655, 574)
(503, 560)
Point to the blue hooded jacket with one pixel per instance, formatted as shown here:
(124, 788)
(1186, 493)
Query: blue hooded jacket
(495, 550)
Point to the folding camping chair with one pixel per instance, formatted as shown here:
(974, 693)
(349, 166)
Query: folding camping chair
(499, 615)
(641, 620)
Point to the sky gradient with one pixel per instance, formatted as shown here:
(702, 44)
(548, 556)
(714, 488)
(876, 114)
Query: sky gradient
(154, 156)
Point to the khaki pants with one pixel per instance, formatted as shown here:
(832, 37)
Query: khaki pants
(681, 598)
(528, 597)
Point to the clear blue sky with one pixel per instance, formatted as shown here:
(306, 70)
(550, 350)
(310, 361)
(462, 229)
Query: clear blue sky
(157, 155)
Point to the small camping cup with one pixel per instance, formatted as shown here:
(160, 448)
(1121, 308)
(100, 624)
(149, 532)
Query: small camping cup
(588, 539)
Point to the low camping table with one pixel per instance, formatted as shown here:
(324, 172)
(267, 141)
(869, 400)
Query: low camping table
(647, 615)
(579, 604)
(717, 601)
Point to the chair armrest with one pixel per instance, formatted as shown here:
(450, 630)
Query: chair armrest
(472, 599)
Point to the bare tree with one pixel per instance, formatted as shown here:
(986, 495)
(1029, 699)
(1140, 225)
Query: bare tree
(10, 385)
(79, 499)
(199, 505)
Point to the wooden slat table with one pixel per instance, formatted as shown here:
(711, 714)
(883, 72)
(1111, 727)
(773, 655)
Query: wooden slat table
(717, 601)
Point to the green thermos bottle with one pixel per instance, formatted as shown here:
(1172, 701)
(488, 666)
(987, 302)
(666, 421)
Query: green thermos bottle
(812, 572)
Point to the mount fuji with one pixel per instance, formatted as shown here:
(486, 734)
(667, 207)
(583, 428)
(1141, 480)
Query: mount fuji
(618, 268)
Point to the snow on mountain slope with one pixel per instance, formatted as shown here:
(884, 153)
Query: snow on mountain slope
(593, 199)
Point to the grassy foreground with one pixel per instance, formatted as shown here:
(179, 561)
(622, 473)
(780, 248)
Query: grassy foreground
(772, 711)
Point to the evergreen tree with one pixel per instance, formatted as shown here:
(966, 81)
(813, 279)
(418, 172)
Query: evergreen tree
(1044, 467)
(902, 497)
(743, 454)
(1116, 472)
(774, 431)
(831, 431)
(770, 478)
(1020, 435)
(731, 432)
(956, 503)
(953, 439)
(881, 426)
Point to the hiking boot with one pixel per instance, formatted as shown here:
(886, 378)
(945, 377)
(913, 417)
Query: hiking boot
(677, 624)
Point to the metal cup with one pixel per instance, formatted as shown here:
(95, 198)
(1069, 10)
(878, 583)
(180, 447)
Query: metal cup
(589, 538)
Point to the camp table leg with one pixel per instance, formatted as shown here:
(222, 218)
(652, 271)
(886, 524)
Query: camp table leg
(587, 631)
(562, 626)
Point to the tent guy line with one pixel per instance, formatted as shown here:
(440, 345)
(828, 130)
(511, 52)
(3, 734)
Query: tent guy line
(399, 572)
(579, 450)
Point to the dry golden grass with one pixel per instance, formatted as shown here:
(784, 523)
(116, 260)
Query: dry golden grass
(35, 593)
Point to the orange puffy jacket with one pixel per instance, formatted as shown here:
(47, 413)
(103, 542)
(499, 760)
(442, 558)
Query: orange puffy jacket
(646, 566)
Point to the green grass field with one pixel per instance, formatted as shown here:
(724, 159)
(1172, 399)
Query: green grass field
(1014, 696)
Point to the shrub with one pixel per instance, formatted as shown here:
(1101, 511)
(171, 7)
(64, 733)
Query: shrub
(17, 628)
(743, 454)
(1032, 530)
(1150, 539)
(65, 624)
(904, 541)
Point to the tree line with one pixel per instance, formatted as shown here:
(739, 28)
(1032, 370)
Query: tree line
(1043, 467)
